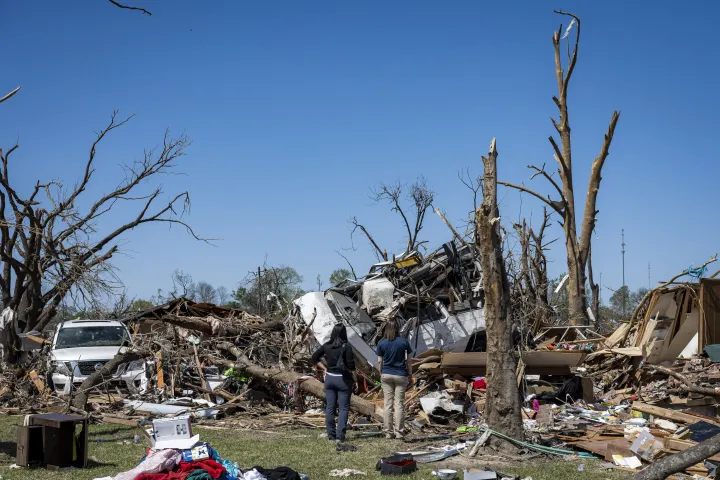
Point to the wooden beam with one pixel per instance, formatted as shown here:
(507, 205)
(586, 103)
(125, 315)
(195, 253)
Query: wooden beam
(673, 415)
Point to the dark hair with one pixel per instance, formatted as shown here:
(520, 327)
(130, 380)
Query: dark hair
(338, 336)
(390, 331)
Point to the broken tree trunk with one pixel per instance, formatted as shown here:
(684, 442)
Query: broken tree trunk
(105, 373)
(502, 404)
(661, 469)
(309, 385)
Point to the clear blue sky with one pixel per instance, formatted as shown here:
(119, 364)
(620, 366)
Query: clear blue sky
(297, 108)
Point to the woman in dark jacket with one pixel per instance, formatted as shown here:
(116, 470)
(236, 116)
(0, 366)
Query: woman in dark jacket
(340, 377)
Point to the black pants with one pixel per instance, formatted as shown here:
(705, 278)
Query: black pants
(337, 396)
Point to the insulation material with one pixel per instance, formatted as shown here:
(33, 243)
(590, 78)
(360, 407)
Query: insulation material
(377, 294)
(325, 321)
(691, 349)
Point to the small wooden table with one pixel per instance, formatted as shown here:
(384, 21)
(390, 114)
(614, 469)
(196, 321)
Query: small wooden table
(58, 432)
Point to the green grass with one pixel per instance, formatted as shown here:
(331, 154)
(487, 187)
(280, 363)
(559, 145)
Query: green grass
(111, 451)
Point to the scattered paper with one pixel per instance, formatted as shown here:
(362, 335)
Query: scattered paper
(627, 462)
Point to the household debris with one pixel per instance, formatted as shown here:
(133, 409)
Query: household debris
(633, 396)
(176, 453)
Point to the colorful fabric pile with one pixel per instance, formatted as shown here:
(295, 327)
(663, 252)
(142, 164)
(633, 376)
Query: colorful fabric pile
(200, 463)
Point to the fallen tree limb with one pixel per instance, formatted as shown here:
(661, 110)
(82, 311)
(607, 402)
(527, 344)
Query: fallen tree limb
(106, 372)
(308, 385)
(661, 469)
(220, 327)
(688, 385)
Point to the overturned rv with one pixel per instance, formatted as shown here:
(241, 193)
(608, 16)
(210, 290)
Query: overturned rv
(437, 301)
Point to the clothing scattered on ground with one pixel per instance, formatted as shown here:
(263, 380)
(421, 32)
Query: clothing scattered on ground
(278, 473)
(157, 461)
(393, 355)
(167, 465)
(213, 468)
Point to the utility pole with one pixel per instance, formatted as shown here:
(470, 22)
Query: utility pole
(648, 275)
(623, 254)
(625, 290)
(261, 310)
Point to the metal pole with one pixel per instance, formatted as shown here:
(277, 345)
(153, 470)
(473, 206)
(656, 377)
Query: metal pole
(623, 255)
(625, 293)
(417, 327)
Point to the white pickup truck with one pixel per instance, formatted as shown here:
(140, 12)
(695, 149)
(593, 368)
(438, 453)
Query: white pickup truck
(80, 347)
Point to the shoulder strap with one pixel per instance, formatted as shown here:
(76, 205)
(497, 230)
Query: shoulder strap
(341, 359)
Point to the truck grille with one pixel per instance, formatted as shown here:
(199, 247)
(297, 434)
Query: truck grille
(88, 367)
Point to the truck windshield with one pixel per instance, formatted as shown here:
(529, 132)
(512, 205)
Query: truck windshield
(92, 337)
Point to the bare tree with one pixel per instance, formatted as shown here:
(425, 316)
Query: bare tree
(206, 293)
(420, 198)
(531, 300)
(223, 296)
(502, 406)
(411, 202)
(183, 285)
(52, 248)
(577, 246)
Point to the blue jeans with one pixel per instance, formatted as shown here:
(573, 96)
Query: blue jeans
(337, 396)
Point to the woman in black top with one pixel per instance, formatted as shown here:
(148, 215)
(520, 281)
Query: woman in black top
(340, 377)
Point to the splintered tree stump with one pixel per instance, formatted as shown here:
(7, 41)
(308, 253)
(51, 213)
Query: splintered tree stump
(502, 401)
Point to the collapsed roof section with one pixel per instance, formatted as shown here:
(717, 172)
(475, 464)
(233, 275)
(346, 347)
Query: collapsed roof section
(680, 321)
(437, 301)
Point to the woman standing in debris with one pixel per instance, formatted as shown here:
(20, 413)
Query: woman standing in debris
(340, 378)
(394, 355)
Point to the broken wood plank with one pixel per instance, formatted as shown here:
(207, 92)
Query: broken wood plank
(599, 447)
(39, 340)
(673, 415)
(120, 421)
(39, 384)
(159, 370)
(200, 372)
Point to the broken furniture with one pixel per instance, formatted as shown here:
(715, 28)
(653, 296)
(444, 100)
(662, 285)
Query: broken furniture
(50, 439)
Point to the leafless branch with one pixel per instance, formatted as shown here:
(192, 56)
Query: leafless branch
(356, 225)
(349, 264)
(117, 4)
(6, 97)
(452, 229)
(555, 205)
